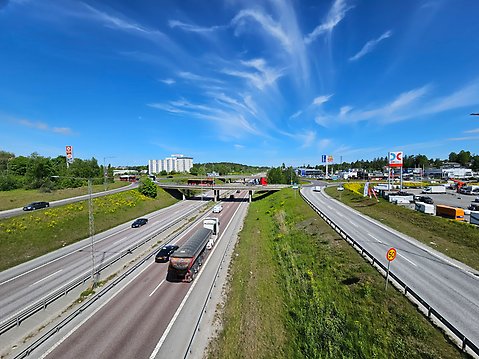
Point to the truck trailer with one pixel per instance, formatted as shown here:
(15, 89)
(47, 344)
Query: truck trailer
(186, 260)
(434, 189)
(450, 212)
(424, 208)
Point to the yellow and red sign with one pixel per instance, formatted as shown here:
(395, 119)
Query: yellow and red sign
(391, 254)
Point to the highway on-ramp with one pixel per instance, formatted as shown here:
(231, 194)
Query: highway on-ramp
(449, 286)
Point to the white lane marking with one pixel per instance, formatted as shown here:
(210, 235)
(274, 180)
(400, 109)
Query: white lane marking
(48, 276)
(177, 313)
(158, 286)
(410, 261)
(92, 314)
(61, 257)
(377, 240)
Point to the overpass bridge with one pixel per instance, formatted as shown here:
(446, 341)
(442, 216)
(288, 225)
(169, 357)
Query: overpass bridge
(224, 187)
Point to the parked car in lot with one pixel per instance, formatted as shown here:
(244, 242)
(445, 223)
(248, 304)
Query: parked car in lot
(164, 254)
(139, 222)
(424, 199)
(36, 205)
(218, 208)
(474, 207)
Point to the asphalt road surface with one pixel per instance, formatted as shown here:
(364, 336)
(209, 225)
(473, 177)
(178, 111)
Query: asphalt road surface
(450, 287)
(18, 211)
(148, 316)
(29, 282)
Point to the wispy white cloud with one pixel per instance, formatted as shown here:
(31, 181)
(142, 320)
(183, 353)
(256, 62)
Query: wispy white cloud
(168, 81)
(44, 127)
(370, 46)
(238, 146)
(268, 24)
(333, 18)
(194, 28)
(195, 77)
(466, 138)
(324, 143)
(262, 77)
(476, 130)
(321, 99)
(296, 114)
(343, 111)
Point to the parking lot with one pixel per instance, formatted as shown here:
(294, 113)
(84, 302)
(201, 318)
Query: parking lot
(451, 198)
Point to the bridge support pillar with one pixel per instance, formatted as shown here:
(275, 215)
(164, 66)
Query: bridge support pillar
(216, 195)
(250, 196)
(184, 197)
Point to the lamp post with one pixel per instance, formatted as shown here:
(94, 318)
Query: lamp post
(91, 224)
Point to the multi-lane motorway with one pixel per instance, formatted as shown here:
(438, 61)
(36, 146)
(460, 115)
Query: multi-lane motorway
(450, 287)
(131, 320)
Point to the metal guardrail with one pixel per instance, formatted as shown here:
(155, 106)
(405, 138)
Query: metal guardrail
(44, 302)
(27, 351)
(431, 312)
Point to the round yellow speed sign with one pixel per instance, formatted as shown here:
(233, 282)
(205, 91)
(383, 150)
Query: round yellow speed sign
(391, 255)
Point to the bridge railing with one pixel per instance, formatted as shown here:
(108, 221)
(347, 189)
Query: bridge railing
(432, 314)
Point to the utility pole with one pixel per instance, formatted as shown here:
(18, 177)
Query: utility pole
(91, 227)
(105, 173)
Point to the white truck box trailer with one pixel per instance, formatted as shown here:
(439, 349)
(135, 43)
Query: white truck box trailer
(434, 189)
(474, 217)
(425, 208)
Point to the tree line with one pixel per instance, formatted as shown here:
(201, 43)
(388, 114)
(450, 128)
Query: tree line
(224, 168)
(46, 174)
(282, 175)
(464, 158)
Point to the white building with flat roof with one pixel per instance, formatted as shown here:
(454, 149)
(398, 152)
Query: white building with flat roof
(177, 163)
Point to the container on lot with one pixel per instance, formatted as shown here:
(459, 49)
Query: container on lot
(475, 217)
(434, 189)
(425, 208)
(450, 212)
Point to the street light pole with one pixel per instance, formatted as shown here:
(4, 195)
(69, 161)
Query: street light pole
(91, 228)
(105, 172)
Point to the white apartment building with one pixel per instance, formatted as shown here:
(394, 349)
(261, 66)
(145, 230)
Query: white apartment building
(177, 163)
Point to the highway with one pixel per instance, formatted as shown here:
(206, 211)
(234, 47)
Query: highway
(31, 281)
(449, 286)
(18, 211)
(148, 317)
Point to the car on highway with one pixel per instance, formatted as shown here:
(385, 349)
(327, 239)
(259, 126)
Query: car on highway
(424, 199)
(36, 205)
(218, 208)
(139, 222)
(164, 254)
(340, 188)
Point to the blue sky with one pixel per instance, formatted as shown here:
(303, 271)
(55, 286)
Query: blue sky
(254, 82)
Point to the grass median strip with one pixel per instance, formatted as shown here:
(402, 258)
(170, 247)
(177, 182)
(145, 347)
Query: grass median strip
(297, 290)
(455, 239)
(36, 233)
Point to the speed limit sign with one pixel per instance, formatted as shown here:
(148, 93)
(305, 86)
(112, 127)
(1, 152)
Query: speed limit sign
(391, 254)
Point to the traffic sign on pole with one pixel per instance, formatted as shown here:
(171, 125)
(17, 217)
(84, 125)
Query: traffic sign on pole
(390, 256)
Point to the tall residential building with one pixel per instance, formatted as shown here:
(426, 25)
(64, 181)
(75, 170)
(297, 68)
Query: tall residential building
(177, 163)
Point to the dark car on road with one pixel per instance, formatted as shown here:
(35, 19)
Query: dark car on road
(424, 199)
(139, 222)
(36, 205)
(164, 254)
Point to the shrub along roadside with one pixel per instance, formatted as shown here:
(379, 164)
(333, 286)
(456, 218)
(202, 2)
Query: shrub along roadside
(297, 290)
(31, 235)
(455, 239)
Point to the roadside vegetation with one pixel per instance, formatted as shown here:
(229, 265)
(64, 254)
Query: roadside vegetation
(20, 197)
(39, 232)
(455, 239)
(297, 290)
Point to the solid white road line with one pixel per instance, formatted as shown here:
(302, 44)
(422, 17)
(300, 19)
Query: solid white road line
(377, 240)
(158, 286)
(410, 261)
(48, 276)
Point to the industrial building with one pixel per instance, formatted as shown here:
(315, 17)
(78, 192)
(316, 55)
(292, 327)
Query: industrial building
(177, 163)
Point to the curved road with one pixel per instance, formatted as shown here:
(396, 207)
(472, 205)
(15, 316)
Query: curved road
(18, 211)
(450, 287)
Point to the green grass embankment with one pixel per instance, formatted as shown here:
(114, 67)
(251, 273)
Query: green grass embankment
(455, 239)
(297, 290)
(39, 232)
(21, 197)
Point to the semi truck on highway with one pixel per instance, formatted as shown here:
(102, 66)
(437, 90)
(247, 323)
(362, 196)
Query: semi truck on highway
(450, 212)
(434, 189)
(186, 260)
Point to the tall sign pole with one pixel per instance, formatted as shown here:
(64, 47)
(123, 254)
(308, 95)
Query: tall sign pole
(396, 160)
